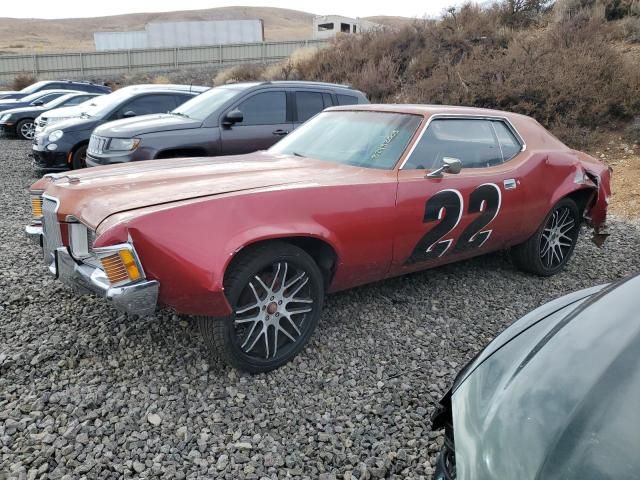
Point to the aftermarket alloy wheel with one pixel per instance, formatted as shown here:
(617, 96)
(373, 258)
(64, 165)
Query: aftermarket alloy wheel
(549, 249)
(276, 292)
(26, 129)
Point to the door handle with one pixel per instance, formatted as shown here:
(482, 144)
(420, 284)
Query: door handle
(280, 132)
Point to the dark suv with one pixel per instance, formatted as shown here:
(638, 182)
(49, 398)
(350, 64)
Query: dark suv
(227, 120)
(64, 144)
(56, 85)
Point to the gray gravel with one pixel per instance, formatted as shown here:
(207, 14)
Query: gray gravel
(87, 393)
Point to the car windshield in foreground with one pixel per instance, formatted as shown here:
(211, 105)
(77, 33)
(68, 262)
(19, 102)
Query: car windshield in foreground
(360, 138)
(203, 105)
(59, 101)
(34, 96)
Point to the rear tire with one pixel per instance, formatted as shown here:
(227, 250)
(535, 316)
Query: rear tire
(79, 158)
(548, 250)
(26, 129)
(276, 293)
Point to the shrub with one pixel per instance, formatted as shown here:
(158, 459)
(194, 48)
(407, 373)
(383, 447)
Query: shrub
(23, 80)
(239, 73)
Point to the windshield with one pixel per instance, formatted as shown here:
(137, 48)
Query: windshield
(33, 87)
(203, 105)
(34, 96)
(59, 101)
(361, 138)
(102, 105)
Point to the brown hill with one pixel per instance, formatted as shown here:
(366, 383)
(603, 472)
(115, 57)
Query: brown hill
(76, 34)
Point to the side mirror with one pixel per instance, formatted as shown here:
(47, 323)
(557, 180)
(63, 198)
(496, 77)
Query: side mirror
(38, 103)
(129, 114)
(449, 165)
(232, 117)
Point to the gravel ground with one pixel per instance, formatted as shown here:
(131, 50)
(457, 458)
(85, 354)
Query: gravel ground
(87, 393)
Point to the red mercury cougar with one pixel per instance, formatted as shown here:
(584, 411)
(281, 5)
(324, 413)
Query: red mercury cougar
(250, 244)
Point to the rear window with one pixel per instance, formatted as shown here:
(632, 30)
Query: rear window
(308, 104)
(347, 99)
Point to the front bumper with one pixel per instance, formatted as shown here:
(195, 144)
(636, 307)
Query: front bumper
(34, 233)
(48, 160)
(8, 128)
(140, 298)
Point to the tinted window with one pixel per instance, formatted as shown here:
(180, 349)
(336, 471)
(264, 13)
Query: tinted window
(308, 104)
(48, 97)
(508, 142)
(347, 100)
(268, 108)
(148, 104)
(471, 141)
(180, 99)
(76, 100)
(328, 101)
(203, 105)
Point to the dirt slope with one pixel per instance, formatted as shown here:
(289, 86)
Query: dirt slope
(76, 34)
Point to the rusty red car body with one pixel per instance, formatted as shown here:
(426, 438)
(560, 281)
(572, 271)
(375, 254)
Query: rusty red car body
(188, 218)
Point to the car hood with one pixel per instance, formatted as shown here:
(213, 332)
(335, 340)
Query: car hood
(131, 127)
(75, 124)
(96, 193)
(555, 396)
(74, 111)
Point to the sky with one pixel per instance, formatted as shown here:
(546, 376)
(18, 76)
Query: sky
(98, 8)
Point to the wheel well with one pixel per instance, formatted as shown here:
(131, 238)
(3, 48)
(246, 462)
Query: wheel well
(75, 148)
(181, 152)
(583, 198)
(322, 253)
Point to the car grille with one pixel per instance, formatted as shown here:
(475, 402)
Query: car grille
(51, 235)
(97, 144)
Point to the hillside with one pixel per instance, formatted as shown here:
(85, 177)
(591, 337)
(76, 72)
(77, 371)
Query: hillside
(76, 34)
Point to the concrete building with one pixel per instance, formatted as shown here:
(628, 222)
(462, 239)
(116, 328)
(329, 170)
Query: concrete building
(182, 34)
(328, 26)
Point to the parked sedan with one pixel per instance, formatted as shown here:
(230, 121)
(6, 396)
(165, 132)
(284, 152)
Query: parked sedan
(64, 145)
(73, 85)
(21, 121)
(250, 243)
(227, 120)
(35, 99)
(554, 397)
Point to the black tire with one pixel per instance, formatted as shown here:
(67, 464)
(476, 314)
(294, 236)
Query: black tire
(537, 255)
(276, 264)
(25, 129)
(79, 158)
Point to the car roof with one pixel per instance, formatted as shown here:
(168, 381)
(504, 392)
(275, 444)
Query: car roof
(292, 83)
(166, 87)
(429, 110)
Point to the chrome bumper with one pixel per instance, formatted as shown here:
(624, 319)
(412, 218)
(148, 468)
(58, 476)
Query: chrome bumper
(34, 233)
(139, 298)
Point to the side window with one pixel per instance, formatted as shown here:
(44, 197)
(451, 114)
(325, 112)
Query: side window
(328, 101)
(508, 143)
(47, 98)
(267, 108)
(472, 141)
(347, 100)
(308, 104)
(148, 104)
(76, 100)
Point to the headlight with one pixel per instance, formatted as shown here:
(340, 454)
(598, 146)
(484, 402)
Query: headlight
(79, 240)
(55, 135)
(123, 144)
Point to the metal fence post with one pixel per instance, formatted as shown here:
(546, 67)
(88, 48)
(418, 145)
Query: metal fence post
(35, 65)
(175, 57)
(81, 64)
(220, 54)
(129, 60)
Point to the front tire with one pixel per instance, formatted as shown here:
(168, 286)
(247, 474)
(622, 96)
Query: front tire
(276, 292)
(26, 129)
(548, 250)
(79, 158)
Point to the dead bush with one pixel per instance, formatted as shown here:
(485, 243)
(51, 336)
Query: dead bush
(23, 80)
(239, 73)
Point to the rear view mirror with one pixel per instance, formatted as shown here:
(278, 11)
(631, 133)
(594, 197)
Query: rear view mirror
(232, 117)
(449, 165)
(129, 114)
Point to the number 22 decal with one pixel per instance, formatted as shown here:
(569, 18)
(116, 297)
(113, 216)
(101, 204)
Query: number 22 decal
(446, 208)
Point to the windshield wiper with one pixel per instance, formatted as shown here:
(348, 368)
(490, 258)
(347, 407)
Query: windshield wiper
(85, 115)
(296, 154)
(180, 114)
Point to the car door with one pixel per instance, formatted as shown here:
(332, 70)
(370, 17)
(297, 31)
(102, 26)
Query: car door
(265, 121)
(453, 216)
(308, 103)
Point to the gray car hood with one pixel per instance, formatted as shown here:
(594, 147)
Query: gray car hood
(556, 395)
(131, 127)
